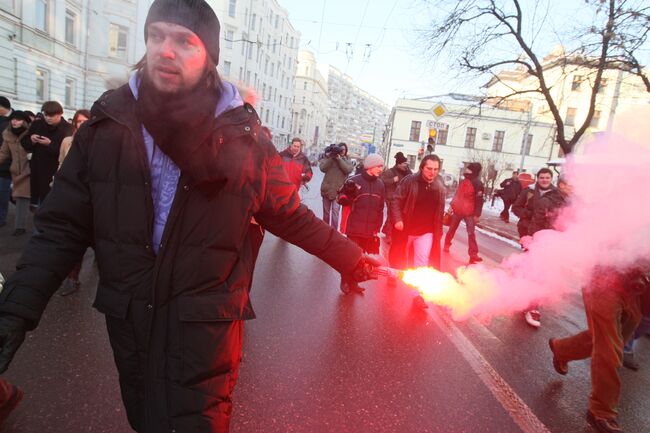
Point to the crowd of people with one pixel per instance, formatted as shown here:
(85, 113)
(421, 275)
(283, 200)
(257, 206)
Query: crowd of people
(174, 199)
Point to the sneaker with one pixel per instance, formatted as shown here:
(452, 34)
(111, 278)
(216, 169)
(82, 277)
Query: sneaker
(629, 362)
(562, 367)
(533, 318)
(8, 406)
(604, 425)
(475, 259)
(69, 287)
(19, 232)
(419, 303)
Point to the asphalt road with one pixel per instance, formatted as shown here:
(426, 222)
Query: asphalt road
(318, 361)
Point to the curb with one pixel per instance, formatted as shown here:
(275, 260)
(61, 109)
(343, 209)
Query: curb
(498, 232)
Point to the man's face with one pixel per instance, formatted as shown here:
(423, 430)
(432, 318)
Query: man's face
(52, 119)
(375, 171)
(176, 57)
(403, 166)
(515, 175)
(430, 170)
(294, 147)
(544, 180)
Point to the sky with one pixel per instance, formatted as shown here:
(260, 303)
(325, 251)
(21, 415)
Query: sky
(378, 42)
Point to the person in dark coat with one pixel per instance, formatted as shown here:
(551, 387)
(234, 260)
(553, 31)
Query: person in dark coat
(5, 172)
(367, 210)
(467, 205)
(391, 178)
(12, 151)
(296, 163)
(511, 188)
(43, 141)
(162, 182)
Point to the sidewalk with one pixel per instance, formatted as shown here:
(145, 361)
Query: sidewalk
(496, 225)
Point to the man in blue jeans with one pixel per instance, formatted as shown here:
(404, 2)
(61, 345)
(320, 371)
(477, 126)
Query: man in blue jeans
(467, 205)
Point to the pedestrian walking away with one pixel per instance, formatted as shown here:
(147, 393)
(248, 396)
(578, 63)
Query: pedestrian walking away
(367, 211)
(467, 205)
(162, 182)
(337, 166)
(511, 188)
(12, 151)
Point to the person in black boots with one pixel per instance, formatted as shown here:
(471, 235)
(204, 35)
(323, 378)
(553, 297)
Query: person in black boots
(510, 192)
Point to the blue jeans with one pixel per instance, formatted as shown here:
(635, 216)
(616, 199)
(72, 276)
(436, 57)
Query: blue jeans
(643, 328)
(331, 212)
(471, 233)
(5, 195)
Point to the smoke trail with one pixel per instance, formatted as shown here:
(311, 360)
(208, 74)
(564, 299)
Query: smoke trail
(606, 223)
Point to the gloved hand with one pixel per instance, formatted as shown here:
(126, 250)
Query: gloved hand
(12, 335)
(366, 269)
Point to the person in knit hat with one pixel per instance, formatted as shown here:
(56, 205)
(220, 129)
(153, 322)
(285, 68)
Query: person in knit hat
(467, 205)
(366, 196)
(162, 182)
(391, 178)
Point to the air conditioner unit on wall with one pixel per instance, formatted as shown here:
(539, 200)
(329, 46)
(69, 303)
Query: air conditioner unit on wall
(486, 136)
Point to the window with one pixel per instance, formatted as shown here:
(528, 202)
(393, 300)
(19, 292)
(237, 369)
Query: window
(275, 43)
(249, 50)
(8, 5)
(497, 144)
(117, 39)
(70, 27)
(241, 73)
(305, 85)
(570, 118)
(277, 21)
(232, 8)
(41, 21)
(226, 68)
(577, 80)
(253, 19)
(42, 84)
(70, 85)
(470, 137)
(595, 120)
(230, 36)
(603, 85)
(442, 135)
(526, 144)
(415, 130)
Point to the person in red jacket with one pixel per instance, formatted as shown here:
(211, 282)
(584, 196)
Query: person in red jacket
(467, 205)
(296, 164)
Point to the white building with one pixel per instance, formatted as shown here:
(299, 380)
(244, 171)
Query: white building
(310, 103)
(259, 49)
(571, 85)
(65, 50)
(502, 139)
(354, 116)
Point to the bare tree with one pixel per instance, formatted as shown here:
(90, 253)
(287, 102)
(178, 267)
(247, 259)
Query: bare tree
(475, 31)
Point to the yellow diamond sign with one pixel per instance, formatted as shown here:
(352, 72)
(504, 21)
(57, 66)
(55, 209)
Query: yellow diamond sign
(439, 110)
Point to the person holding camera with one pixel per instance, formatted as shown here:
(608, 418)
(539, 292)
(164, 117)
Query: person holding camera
(337, 166)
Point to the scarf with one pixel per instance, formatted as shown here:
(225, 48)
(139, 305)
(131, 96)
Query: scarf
(181, 126)
(18, 131)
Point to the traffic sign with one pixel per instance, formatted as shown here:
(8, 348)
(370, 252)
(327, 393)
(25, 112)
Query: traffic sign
(439, 110)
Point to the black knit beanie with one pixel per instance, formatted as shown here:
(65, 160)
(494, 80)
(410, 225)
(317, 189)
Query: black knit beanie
(195, 15)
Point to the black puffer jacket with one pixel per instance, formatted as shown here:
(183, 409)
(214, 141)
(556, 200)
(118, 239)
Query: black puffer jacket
(403, 204)
(367, 214)
(166, 312)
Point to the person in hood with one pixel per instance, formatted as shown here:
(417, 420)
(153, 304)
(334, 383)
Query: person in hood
(391, 178)
(162, 182)
(43, 141)
(12, 151)
(367, 210)
(467, 205)
(296, 163)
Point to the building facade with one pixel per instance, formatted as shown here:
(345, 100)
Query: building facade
(70, 51)
(310, 104)
(354, 116)
(259, 50)
(501, 140)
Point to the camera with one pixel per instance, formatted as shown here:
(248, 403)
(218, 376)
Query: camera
(334, 150)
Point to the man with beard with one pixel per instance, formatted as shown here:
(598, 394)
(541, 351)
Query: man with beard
(391, 178)
(467, 205)
(417, 207)
(43, 141)
(163, 181)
